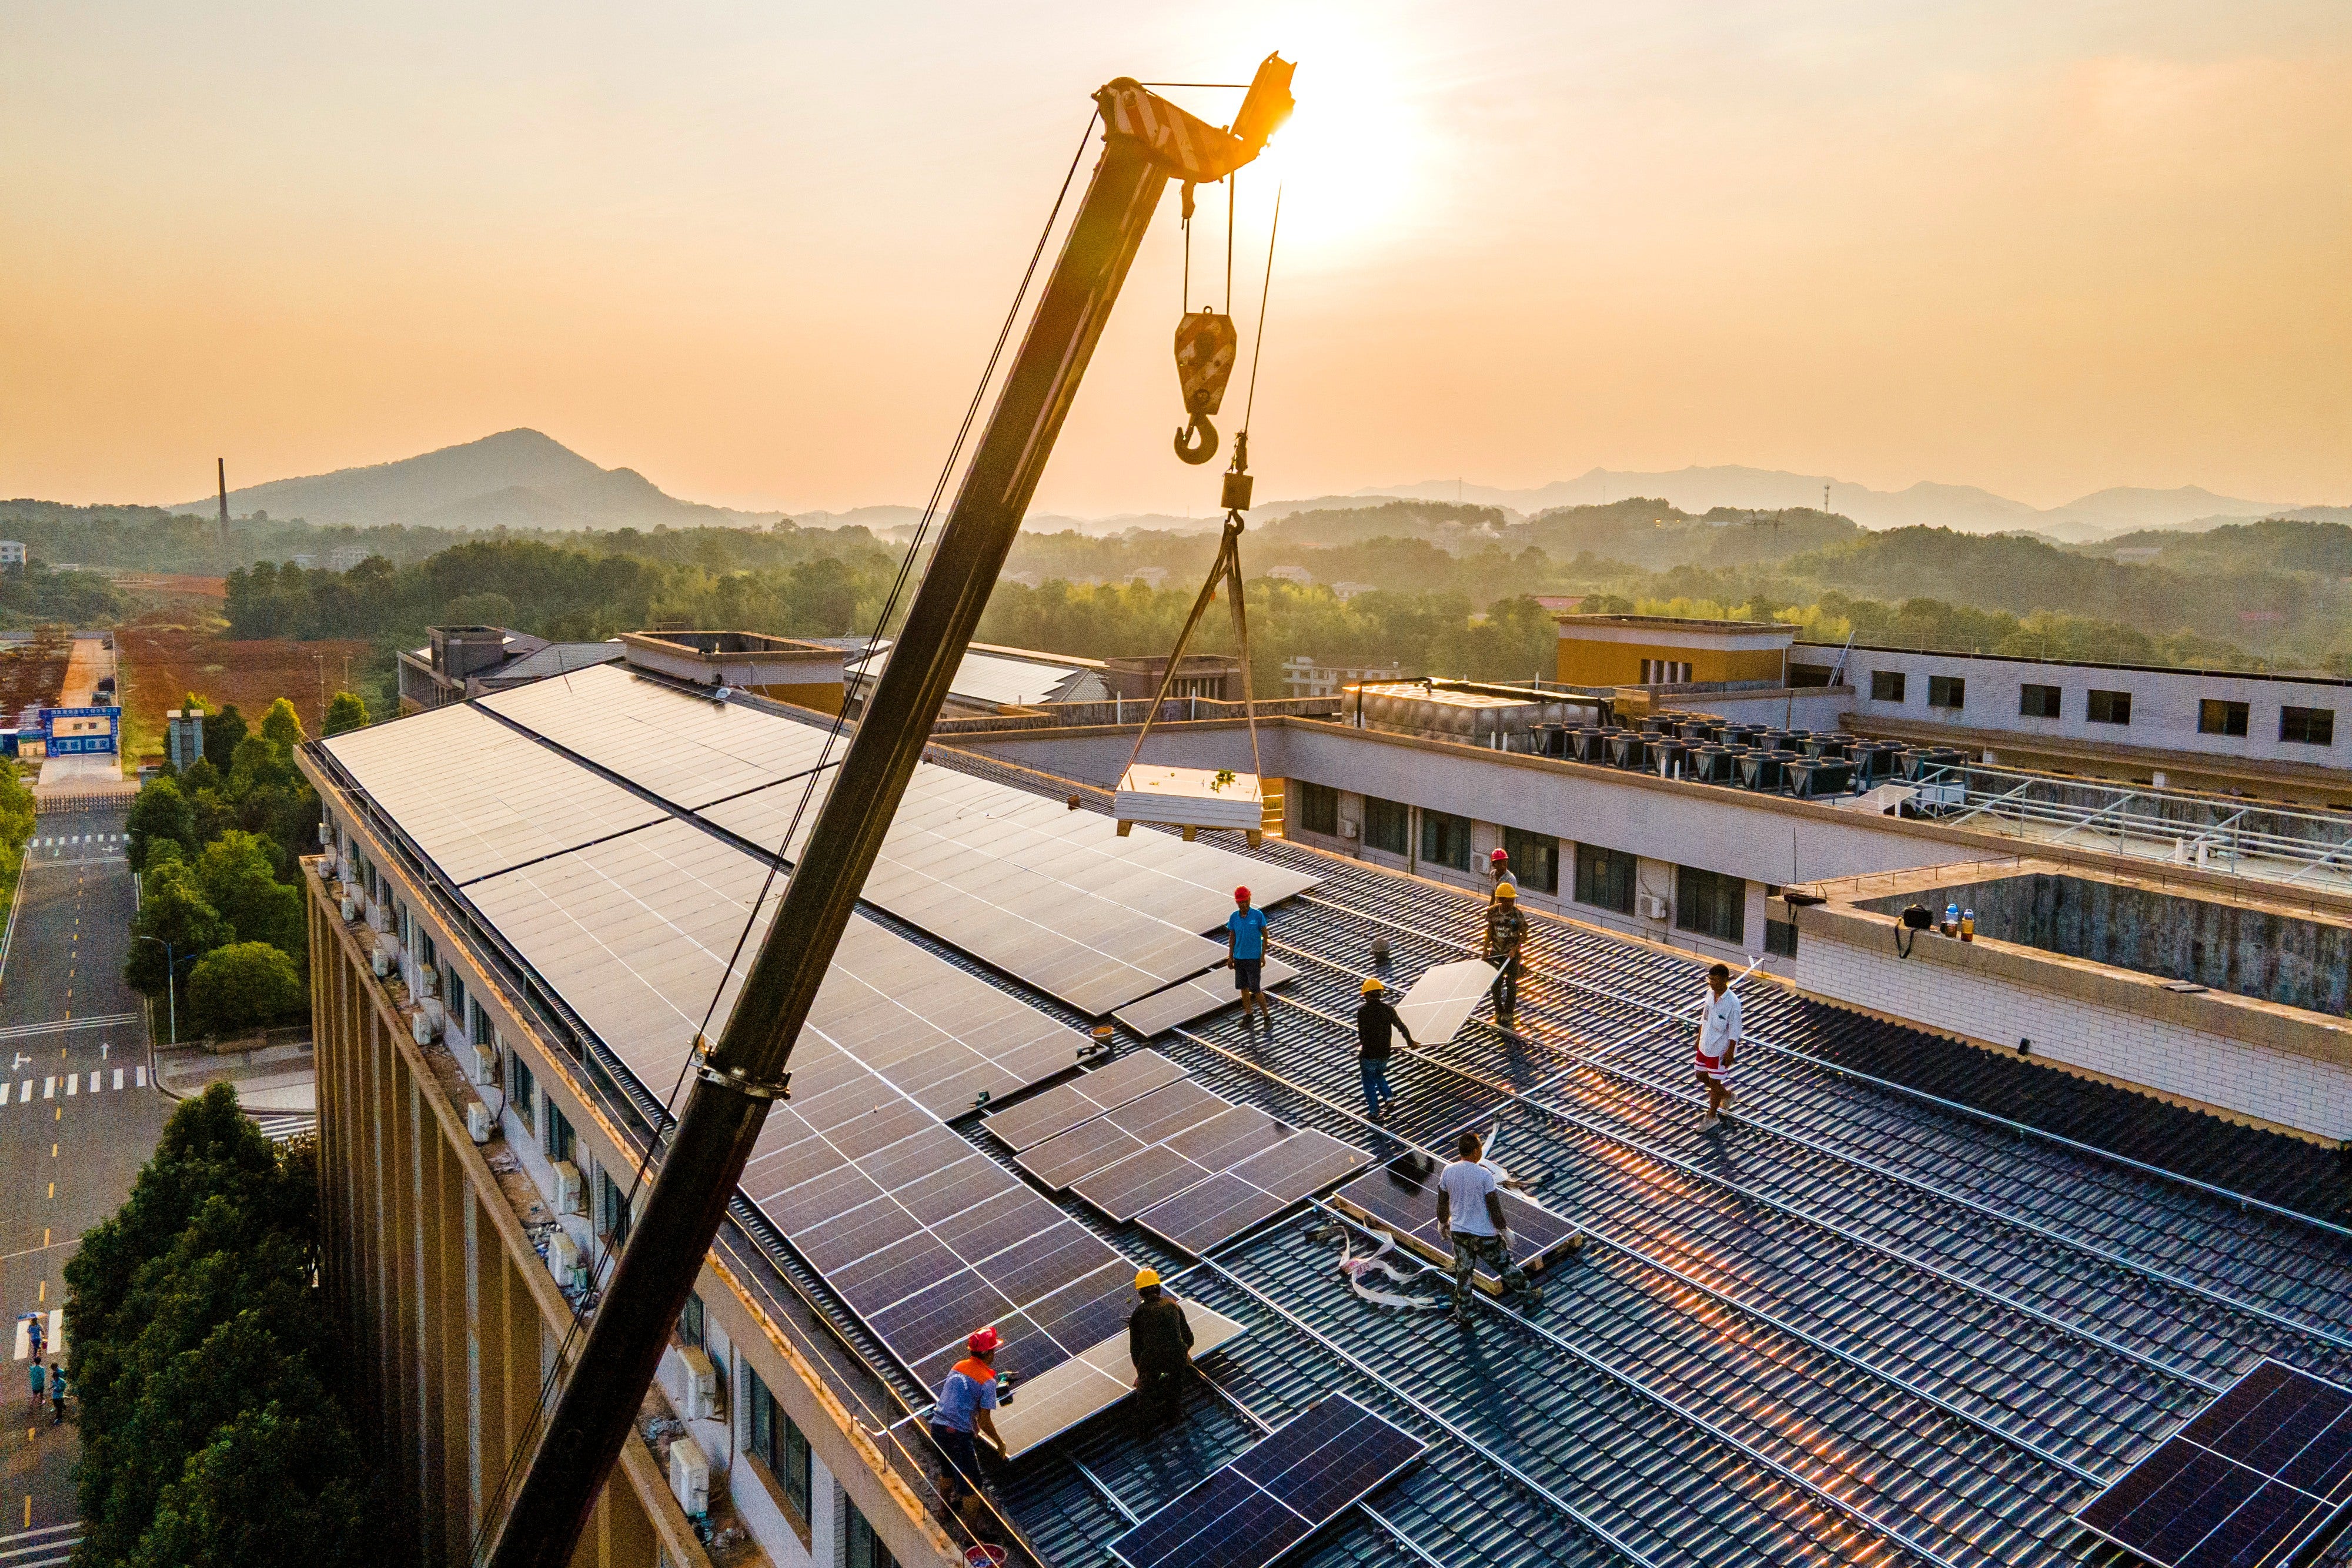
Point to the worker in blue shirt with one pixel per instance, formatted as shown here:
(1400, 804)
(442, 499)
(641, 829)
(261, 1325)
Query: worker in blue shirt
(1246, 951)
(961, 1417)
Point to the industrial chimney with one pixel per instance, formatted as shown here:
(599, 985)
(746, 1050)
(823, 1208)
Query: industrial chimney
(222, 464)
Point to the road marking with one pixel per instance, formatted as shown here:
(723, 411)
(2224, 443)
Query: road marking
(48, 1088)
(118, 1084)
(25, 1092)
(59, 1026)
(93, 1082)
(142, 1078)
(53, 1189)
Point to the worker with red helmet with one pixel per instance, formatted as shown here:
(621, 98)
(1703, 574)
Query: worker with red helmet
(1246, 952)
(1498, 866)
(961, 1417)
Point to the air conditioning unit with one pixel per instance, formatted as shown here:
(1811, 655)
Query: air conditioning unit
(567, 1187)
(481, 1063)
(420, 1027)
(1349, 830)
(562, 1258)
(428, 982)
(1653, 907)
(326, 834)
(478, 1123)
(351, 909)
(701, 1391)
(689, 1476)
(381, 962)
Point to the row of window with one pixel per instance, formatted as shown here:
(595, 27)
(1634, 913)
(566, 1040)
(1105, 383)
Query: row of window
(2298, 726)
(1705, 903)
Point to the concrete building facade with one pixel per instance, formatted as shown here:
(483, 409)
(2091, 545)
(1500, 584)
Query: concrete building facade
(1660, 650)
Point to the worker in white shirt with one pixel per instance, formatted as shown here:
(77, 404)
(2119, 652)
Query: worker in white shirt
(1718, 1037)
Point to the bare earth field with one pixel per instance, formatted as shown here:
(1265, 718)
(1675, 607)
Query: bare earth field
(161, 665)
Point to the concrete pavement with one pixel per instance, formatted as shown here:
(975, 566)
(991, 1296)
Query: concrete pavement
(79, 1114)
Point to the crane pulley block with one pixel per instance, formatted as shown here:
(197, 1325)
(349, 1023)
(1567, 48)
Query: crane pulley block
(1206, 346)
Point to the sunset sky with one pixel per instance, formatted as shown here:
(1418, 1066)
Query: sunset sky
(757, 251)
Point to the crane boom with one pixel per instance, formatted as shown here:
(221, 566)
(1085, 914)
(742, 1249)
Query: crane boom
(1147, 141)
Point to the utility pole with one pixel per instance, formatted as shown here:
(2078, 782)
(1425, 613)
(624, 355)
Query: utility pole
(1825, 497)
(222, 470)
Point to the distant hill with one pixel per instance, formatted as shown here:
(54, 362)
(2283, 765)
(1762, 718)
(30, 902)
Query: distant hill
(1964, 508)
(517, 479)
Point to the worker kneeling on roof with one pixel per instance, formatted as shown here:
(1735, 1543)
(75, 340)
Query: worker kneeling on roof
(1160, 1343)
(961, 1417)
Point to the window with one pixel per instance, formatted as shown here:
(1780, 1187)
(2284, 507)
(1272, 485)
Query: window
(777, 1441)
(1665, 671)
(1534, 860)
(613, 1214)
(477, 1026)
(1446, 839)
(455, 985)
(558, 1139)
(1387, 825)
(1887, 686)
(1710, 905)
(1605, 878)
(1780, 938)
(1318, 809)
(428, 955)
(2307, 725)
(521, 1090)
(2110, 708)
(2039, 701)
(2220, 719)
(1947, 691)
(689, 1321)
(862, 1549)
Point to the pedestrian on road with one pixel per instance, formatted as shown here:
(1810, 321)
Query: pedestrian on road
(1498, 866)
(961, 1417)
(1160, 1343)
(57, 1396)
(1718, 1036)
(1376, 1020)
(1507, 931)
(1246, 952)
(1470, 1220)
(39, 1330)
(40, 1377)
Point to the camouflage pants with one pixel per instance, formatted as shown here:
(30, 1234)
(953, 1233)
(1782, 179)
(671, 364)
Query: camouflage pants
(1473, 1252)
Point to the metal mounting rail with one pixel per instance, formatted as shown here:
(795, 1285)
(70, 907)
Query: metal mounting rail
(1850, 1511)
(1966, 1286)
(1388, 1385)
(1764, 1315)
(1634, 1383)
(2245, 1200)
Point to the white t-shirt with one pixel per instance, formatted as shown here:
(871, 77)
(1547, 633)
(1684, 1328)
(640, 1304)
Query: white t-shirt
(1718, 1025)
(1465, 1184)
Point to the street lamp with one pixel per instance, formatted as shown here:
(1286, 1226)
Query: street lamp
(171, 982)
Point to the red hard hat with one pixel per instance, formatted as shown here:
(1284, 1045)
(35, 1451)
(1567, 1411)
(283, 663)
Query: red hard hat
(983, 1342)
(1500, 855)
(1241, 895)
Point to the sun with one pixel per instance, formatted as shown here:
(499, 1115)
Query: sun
(1350, 162)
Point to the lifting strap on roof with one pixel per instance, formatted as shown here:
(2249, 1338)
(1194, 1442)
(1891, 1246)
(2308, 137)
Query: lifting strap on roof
(1227, 567)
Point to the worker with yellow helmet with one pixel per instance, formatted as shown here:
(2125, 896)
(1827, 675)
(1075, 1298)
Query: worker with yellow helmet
(1376, 1023)
(1506, 930)
(1159, 1343)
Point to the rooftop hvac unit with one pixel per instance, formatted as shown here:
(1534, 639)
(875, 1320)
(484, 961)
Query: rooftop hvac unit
(689, 1476)
(562, 1258)
(1653, 907)
(567, 1187)
(477, 1122)
(701, 1402)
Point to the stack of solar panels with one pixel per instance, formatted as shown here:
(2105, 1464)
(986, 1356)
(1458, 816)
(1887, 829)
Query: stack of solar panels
(1400, 1198)
(1189, 1166)
(2252, 1482)
(1306, 1473)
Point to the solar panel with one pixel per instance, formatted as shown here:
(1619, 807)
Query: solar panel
(1305, 1473)
(2247, 1484)
(1067, 1158)
(1400, 1198)
(1082, 1099)
(1256, 1188)
(1438, 1003)
(1181, 1004)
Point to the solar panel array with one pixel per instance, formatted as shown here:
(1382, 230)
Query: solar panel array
(1189, 1166)
(2246, 1484)
(1306, 1473)
(1082, 1099)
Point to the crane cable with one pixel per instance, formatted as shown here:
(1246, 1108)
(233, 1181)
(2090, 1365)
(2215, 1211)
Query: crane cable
(1227, 567)
(525, 1445)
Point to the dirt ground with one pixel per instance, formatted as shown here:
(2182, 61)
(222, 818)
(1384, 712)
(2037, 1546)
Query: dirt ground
(162, 664)
(32, 671)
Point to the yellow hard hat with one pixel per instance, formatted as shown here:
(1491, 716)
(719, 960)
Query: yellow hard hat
(1147, 1280)
(1372, 984)
(1506, 890)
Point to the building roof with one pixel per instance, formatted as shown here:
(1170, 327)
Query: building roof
(991, 677)
(1680, 624)
(2298, 677)
(1918, 1303)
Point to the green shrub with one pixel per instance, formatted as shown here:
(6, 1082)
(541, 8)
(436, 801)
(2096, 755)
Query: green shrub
(244, 986)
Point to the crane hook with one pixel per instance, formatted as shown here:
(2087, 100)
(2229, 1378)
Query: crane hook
(1207, 446)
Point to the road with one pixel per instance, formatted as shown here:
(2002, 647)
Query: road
(78, 1116)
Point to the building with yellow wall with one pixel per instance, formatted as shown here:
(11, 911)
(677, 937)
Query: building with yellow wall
(1664, 650)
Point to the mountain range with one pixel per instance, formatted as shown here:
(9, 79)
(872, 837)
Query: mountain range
(523, 479)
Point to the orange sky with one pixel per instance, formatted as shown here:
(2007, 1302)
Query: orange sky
(757, 252)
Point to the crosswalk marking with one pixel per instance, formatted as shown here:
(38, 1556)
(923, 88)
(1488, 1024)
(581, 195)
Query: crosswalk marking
(21, 1094)
(142, 1078)
(25, 1091)
(73, 1082)
(118, 1084)
(50, 1088)
(56, 1334)
(93, 1080)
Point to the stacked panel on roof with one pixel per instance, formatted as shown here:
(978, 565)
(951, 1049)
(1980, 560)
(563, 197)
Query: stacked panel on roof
(1081, 1100)
(1400, 1198)
(1195, 999)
